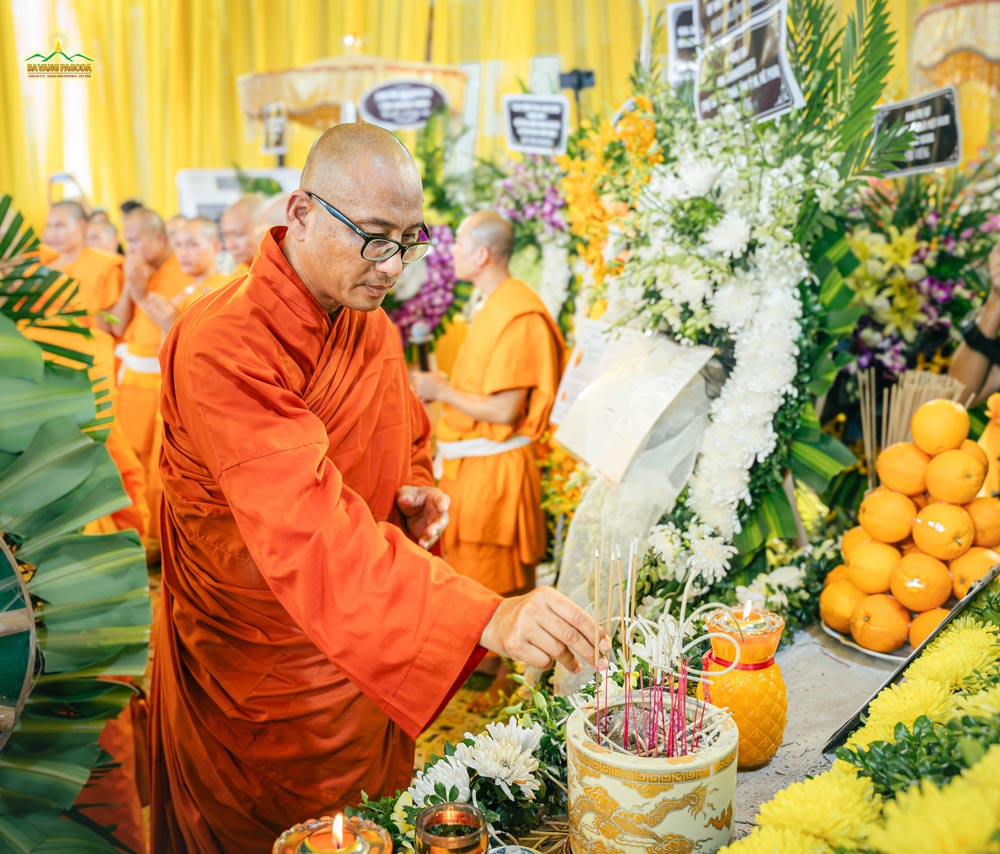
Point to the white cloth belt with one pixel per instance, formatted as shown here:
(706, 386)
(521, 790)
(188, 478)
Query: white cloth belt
(139, 364)
(479, 447)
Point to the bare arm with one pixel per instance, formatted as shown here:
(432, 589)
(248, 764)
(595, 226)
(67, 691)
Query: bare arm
(969, 366)
(122, 312)
(502, 407)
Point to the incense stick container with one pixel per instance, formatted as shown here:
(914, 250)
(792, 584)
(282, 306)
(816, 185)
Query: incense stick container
(621, 803)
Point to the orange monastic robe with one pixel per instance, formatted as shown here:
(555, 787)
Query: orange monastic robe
(99, 281)
(139, 389)
(304, 640)
(497, 530)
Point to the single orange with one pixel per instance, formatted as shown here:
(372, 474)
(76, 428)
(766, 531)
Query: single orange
(920, 582)
(835, 574)
(880, 623)
(887, 515)
(902, 466)
(852, 537)
(970, 567)
(925, 623)
(837, 602)
(939, 425)
(985, 513)
(871, 565)
(944, 531)
(955, 477)
(976, 450)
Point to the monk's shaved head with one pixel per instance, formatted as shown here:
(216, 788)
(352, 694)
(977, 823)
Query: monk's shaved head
(489, 229)
(202, 227)
(102, 234)
(331, 165)
(144, 234)
(72, 209)
(248, 206)
(347, 247)
(146, 221)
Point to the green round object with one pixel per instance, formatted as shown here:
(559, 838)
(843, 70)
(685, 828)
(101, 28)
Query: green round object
(18, 644)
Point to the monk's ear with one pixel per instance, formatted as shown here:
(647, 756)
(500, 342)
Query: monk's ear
(295, 213)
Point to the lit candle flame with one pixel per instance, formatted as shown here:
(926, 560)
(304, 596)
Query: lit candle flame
(746, 610)
(338, 830)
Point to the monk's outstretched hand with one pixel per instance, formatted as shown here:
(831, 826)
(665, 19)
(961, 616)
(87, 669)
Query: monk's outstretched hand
(544, 626)
(425, 512)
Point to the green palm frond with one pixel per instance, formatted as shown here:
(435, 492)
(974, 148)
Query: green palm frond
(90, 592)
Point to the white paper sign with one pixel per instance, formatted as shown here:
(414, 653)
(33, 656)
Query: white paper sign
(609, 421)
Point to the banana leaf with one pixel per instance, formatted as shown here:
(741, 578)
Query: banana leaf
(92, 599)
(100, 494)
(58, 459)
(24, 401)
(40, 784)
(49, 834)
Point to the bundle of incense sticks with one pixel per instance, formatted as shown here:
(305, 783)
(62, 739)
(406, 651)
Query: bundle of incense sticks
(652, 716)
(899, 402)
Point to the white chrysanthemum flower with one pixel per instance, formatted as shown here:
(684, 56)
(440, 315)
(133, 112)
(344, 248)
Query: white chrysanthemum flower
(710, 555)
(729, 236)
(733, 305)
(691, 284)
(505, 754)
(526, 738)
(697, 176)
(450, 772)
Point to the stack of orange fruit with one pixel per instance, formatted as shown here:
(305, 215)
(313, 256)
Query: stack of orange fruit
(924, 536)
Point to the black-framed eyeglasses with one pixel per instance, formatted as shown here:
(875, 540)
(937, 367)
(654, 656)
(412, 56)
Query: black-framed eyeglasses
(378, 248)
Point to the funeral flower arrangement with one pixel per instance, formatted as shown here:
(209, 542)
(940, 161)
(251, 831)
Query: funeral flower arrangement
(922, 775)
(726, 233)
(922, 242)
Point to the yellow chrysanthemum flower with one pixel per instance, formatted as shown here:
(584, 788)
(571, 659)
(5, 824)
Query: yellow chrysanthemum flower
(808, 806)
(777, 840)
(907, 702)
(958, 652)
(980, 705)
(960, 818)
(986, 772)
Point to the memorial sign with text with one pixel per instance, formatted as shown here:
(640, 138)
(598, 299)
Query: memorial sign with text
(934, 122)
(536, 124)
(401, 104)
(682, 43)
(749, 67)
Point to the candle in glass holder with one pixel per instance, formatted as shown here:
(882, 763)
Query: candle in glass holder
(335, 835)
(754, 691)
(450, 829)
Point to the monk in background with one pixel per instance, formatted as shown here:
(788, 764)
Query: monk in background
(239, 230)
(198, 247)
(102, 234)
(496, 408)
(150, 268)
(306, 635)
(496, 405)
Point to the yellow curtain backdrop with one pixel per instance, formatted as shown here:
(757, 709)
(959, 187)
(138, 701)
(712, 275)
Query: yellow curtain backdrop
(162, 95)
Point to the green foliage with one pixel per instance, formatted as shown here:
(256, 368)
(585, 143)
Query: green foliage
(927, 751)
(89, 593)
(263, 186)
